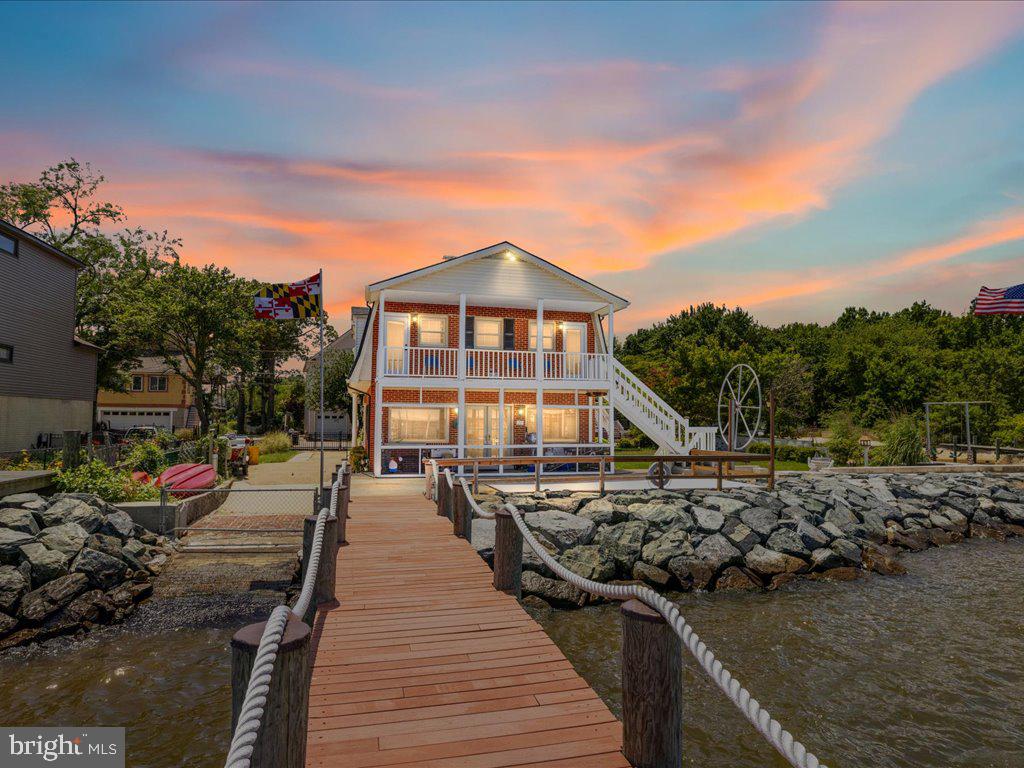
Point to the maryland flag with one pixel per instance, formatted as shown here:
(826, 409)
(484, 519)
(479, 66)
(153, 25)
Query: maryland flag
(289, 301)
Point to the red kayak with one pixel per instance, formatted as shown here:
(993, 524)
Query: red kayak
(141, 477)
(188, 477)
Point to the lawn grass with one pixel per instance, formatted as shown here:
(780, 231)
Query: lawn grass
(276, 458)
(779, 464)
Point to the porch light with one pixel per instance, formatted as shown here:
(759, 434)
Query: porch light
(510, 256)
(416, 318)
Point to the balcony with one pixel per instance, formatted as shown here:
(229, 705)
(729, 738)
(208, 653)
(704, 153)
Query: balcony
(513, 364)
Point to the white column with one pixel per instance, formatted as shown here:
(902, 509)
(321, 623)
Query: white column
(539, 370)
(352, 423)
(462, 336)
(611, 336)
(501, 428)
(461, 420)
(378, 410)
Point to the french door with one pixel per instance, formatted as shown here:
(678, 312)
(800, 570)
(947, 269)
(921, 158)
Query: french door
(574, 341)
(483, 430)
(396, 344)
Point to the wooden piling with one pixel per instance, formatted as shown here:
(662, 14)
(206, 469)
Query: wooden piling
(323, 587)
(342, 510)
(442, 495)
(71, 455)
(771, 439)
(460, 507)
(281, 741)
(508, 554)
(652, 683)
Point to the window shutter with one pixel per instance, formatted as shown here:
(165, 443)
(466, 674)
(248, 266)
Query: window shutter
(508, 337)
(469, 333)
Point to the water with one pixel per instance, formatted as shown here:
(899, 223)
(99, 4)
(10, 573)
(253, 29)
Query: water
(164, 676)
(916, 671)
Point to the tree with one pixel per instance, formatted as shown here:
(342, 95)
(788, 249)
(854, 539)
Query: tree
(337, 367)
(63, 210)
(199, 320)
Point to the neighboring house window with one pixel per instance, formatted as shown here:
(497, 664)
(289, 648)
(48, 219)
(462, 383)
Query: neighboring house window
(561, 425)
(433, 330)
(137, 382)
(417, 425)
(487, 332)
(6, 353)
(8, 245)
(157, 383)
(549, 335)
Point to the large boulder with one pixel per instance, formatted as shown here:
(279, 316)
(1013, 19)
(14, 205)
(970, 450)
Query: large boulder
(622, 543)
(718, 552)
(734, 578)
(1013, 513)
(760, 520)
(673, 543)
(603, 511)
(68, 538)
(40, 603)
(554, 591)
(589, 561)
(788, 542)
(561, 529)
(46, 564)
(767, 563)
(103, 570)
(20, 499)
(812, 536)
(848, 551)
(12, 586)
(120, 524)
(11, 543)
(18, 519)
(111, 545)
(567, 504)
(691, 572)
(727, 505)
(61, 509)
(708, 520)
(650, 574)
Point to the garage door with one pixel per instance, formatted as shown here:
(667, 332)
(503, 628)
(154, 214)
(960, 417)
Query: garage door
(126, 419)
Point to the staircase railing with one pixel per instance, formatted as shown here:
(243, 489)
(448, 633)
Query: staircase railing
(661, 415)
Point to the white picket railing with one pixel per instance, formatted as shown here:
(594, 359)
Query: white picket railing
(501, 364)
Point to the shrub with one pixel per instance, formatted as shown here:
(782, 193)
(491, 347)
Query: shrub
(146, 457)
(1011, 429)
(901, 443)
(111, 485)
(633, 440)
(184, 434)
(785, 452)
(843, 445)
(275, 442)
(360, 462)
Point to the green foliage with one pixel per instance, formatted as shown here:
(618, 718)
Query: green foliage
(109, 484)
(844, 441)
(146, 457)
(337, 367)
(867, 364)
(360, 461)
(1010, 430)
(901, 443)
(275, 442)
(796, 453)
(633, 440)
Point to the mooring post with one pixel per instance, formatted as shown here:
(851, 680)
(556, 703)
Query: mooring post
(652, 689)
(281, 741)
(323, 587)
(442, 494)
(342, 511)
(600, 477)
(536, 475)
(464, 522)
(459, 504)
(718, 480)
(508, 554)
(476, 477)
(771, 439)
(72, 451)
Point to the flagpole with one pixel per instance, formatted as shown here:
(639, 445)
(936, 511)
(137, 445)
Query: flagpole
(321, 485)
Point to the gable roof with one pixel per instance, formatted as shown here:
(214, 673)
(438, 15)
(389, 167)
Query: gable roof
(12, 231)
(373, 289)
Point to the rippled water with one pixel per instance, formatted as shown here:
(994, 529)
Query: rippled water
(917, 671)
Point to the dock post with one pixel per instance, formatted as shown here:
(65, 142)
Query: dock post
(718, 480)
(460, 506)
(508, 555)
(72, 451)
(600, 479)
(442, 495)
(476, 477)
(281, 741)
(342, 511)
(323, 587)
(536, 476)
(652, 689)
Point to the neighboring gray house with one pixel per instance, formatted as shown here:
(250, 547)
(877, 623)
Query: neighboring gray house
(337, 424)
(47, 375)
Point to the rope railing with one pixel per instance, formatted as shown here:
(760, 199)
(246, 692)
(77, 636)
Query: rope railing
(770, 728)
(246, 733)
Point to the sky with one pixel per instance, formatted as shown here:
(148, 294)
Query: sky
(792, 159)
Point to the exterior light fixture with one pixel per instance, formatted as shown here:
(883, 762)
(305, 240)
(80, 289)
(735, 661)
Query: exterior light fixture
(510, 256)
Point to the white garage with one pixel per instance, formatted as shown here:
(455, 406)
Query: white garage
(126, 418)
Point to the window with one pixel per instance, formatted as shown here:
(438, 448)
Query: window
(8, 245)
(561, 425)
(549, 335)
(417, 425)
(137, 382)
(433, 330)
(6, 353)
(487, 332)
(157, 383)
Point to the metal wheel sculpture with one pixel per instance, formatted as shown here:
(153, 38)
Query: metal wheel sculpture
(658, 474)
(739, 407)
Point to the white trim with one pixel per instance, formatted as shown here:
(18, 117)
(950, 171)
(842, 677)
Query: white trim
(579, 282)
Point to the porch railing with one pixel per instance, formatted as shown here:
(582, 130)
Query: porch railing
(515, 364)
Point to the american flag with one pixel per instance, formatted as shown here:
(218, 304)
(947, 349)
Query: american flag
(1000, 301)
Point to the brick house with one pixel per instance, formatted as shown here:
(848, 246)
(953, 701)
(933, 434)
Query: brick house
(451, 365)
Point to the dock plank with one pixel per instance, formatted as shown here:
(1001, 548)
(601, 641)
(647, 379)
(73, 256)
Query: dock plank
(423, 664)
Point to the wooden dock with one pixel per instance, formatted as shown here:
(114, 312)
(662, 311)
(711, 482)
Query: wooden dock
(423, 663)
